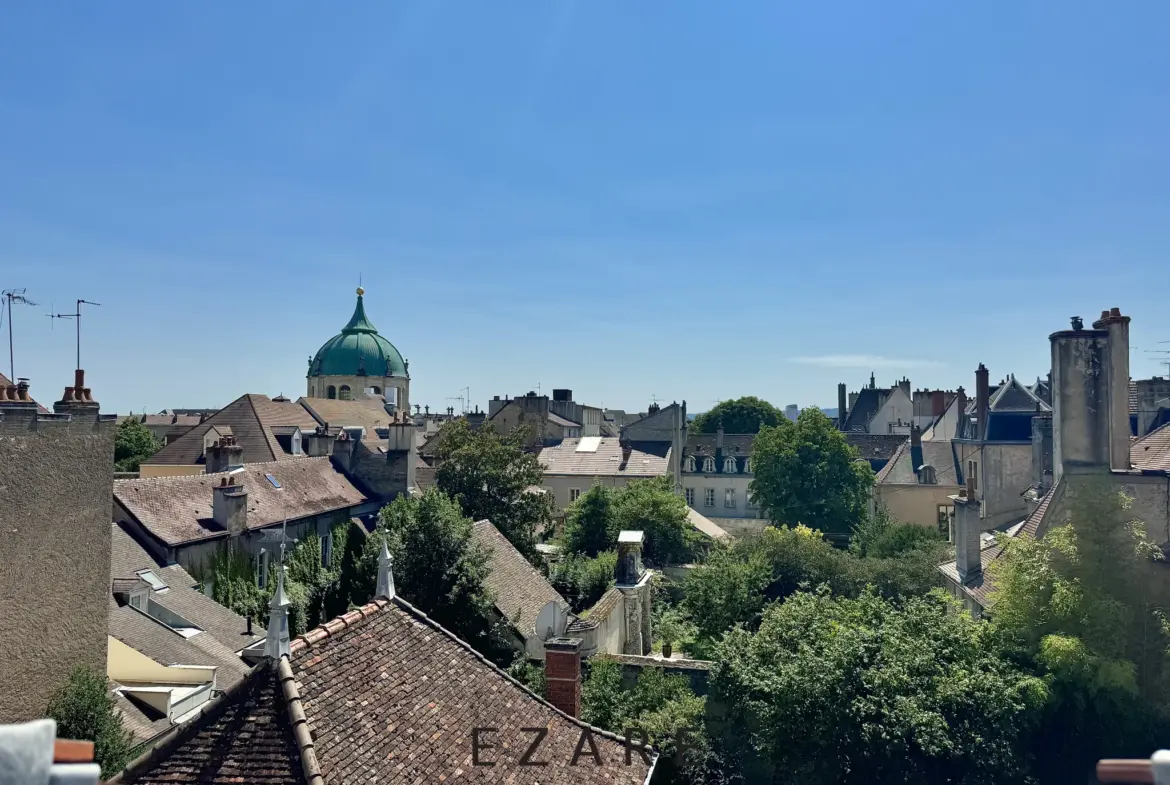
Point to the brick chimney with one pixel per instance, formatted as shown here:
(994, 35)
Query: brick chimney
(229, 506)
(16, 406)
(938, 403)
(223, 456)
(841, 408)
(982, 398)
(562, 674)
(1117, 362)
(78, 397)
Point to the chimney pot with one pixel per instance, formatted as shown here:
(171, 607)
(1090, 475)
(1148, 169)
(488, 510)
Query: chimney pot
(1115, 312)
(3, 392)
(79, 378)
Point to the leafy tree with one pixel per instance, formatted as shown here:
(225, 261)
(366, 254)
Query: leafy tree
(589, 522)
(805, 472)
(491, 476)
(652, 507)
(530, 674)
(582, 580)
(84, 710)
(437, 567)
(1079, 604)
(133, 444)
(880, 535)
(838, 690)
(742, 415)
(659, 705)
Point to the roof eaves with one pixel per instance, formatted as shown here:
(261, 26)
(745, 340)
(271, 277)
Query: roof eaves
(179, 734)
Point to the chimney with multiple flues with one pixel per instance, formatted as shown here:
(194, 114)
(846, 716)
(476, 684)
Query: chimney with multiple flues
(224, 455)
(77, 395)
(1117, 364)
(1081, 412)
(16, 393)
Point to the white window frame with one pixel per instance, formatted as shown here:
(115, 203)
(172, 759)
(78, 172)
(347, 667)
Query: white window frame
(574, 494)
(689, 464)
(709, 465)
(747, 466)
(708, 497)
(730, 465)
(690, 496)
(729, 498)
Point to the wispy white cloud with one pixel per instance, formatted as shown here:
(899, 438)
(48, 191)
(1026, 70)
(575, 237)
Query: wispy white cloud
(864, 361)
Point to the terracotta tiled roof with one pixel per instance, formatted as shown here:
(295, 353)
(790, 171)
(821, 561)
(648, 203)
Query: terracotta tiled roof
(606, 461)
(177, 510)
(363, 412)
(251, 419)
(1152, 451)
(519, 588)
(390, 697)
(244, 736)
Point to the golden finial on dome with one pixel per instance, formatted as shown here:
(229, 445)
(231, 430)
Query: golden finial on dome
(360, 291)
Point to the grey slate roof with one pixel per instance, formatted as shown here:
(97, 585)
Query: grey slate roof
(128, 557)
(941, 455)
(876, 446)
(519, 588)
(1016, 397)
(605, 462)
(167, 647)
(177, 510)
(869, 401)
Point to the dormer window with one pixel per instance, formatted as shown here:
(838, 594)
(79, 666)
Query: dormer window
(689, 463)
(709, 465)
(747, 466)
(729, 466)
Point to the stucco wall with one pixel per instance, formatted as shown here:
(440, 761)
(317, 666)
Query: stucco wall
(895, 415)
(559, 484)
(56, 491)
(1006, 471)
(129, 666)
(720, 483)
(917, 504)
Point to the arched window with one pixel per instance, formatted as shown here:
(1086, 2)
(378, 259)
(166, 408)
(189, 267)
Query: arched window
(331, 392)
(377, 390)
(343, 393)
(747, 466)
(709, 465)
(730, 466)
(689, 463)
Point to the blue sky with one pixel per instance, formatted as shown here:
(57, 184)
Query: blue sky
(681, 199)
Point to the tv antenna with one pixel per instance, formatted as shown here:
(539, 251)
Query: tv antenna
(13, 296)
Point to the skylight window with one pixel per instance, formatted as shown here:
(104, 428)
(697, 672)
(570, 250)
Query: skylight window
(156, 583)
(273, 481)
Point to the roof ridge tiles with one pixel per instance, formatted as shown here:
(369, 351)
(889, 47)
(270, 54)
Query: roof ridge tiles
(178, 734)
(379, 603)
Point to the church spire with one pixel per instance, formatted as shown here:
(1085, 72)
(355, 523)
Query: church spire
(276, 644)
(358, 323)
(385, 573)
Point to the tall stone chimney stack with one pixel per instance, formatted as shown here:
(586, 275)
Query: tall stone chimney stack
(1080, 400)
(1117, 363)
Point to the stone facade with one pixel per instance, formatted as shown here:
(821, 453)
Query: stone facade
(320, 387)
(56, 487)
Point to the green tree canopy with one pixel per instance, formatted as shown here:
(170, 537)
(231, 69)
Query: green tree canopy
(437, 565)
(659, 705)
(652, 507)
(133, 444)
(1086, 605)
(742, 415)
(491, 477)
(836, 690)
(589, 522)
(583, 580)
(805, 472)
(84, 710)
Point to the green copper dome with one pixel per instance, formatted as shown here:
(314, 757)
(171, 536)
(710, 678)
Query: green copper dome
(358, 350)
